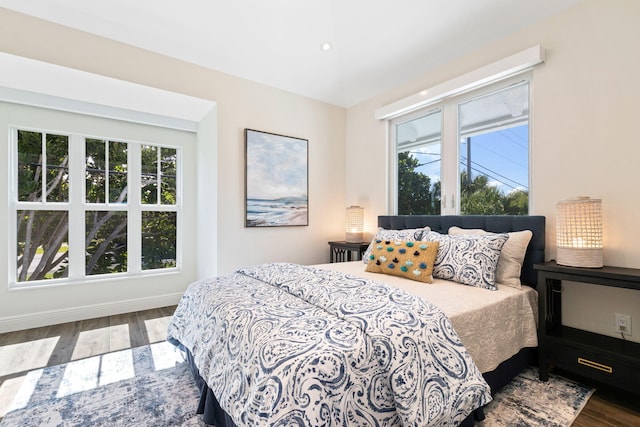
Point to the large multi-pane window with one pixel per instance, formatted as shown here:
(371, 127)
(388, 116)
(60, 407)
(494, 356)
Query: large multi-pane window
(467, 155)
(89, 207)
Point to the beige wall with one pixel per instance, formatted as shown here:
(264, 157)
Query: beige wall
(226, 244)
(583, 140)
(584, 137)
(21, 307)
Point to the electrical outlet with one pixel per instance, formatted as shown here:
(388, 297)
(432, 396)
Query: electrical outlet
(623, 324)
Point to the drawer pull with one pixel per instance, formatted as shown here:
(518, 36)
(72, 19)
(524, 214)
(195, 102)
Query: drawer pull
(595, 365)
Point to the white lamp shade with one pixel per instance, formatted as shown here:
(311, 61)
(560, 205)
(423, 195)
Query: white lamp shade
(579, 232)
(354, 224)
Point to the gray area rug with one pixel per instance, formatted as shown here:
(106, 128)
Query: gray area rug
(527, 401)
(152, 386)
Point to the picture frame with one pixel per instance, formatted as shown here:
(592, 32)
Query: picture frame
(276, 180)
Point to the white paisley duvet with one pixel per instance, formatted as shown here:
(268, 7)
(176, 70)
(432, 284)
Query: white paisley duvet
(283, 344)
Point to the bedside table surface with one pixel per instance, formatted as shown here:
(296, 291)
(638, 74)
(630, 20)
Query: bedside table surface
(607, 276)
(345, 243)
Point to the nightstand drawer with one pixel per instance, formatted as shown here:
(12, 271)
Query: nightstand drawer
(597, 365)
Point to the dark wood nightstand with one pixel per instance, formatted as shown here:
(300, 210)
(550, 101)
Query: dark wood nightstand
(609, 360)
(346, 251)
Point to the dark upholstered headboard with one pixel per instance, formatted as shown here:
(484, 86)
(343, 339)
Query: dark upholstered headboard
(492, 223)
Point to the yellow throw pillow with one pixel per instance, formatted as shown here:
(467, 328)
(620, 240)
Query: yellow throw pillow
(406, 258)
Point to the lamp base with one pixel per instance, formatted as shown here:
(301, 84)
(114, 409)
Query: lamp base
(580, 257)
(353, 237)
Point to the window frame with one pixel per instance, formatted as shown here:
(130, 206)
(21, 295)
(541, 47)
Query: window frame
(77, 206)
(449, 137)
(393, 152)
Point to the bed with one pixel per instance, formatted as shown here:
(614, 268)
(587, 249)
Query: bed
(338, 345)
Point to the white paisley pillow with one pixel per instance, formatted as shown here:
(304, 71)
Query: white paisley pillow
(511, 257)
(407, 234)
(469, 259)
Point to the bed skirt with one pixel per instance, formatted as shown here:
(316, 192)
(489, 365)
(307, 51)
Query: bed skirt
(213, 414)
(208, 406)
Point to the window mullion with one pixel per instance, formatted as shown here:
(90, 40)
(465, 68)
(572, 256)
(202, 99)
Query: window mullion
(77, 207)
(392, 169)
(107, 175)
(159, 175)
(178, 208)
(43, 168)
(450, 191)
(134, 217)
(13, 212)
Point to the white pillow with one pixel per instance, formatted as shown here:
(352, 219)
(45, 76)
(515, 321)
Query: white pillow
(511, 257)
(407, 234)
(468, 259)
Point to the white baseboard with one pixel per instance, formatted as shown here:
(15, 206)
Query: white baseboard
(73, 314)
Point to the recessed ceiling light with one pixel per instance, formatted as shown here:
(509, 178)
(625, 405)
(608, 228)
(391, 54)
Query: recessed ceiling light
(325, 46)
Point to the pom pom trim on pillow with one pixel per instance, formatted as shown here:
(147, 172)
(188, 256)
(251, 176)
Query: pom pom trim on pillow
(411, 259)
(406, 234)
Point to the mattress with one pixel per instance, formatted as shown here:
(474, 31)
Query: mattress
(492, 325)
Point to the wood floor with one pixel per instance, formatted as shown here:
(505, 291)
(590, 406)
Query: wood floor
(23, 351)
(30, 349)
(609, 407)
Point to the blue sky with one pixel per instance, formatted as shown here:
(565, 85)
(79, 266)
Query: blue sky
(501, 155)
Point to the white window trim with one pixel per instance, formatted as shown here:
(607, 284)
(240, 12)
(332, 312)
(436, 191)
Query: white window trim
(501, 70)
(450, 172)
(77, 206)
(392, 167)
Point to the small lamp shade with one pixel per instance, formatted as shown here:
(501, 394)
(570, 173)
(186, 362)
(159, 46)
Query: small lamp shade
(354, 224)
(579, 232)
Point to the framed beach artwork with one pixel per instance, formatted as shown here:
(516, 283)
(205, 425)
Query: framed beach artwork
(276, 180)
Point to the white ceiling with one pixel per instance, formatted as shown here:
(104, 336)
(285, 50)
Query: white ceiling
(377, 44)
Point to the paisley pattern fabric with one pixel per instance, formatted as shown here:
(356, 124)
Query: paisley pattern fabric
(468, 259)
(283, 344)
